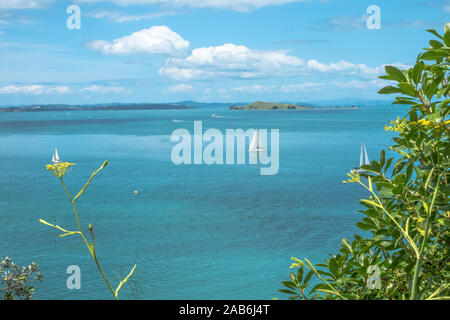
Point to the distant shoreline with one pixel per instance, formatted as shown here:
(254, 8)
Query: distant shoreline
(169, 106)
(138, 106)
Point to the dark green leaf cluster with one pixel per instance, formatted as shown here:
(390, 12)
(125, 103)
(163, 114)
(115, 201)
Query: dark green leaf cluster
(407, 214)
(16, 281)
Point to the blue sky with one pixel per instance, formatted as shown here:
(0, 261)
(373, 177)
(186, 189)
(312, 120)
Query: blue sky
(206, 50)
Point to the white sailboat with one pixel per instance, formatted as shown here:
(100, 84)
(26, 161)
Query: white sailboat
(55, 158)
(255, 145)
(363, 158)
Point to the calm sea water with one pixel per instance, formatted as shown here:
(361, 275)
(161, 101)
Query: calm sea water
(195, 232)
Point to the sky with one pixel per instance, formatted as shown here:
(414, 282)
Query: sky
(207, 50)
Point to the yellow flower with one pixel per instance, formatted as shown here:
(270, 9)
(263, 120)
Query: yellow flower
(59, 169)
(422, 232)
(353, 177)
(424, 122)
(298, 263)
(399, 125)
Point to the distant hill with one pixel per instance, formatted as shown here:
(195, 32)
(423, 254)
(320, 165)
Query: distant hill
(209, 105)
(260, 105)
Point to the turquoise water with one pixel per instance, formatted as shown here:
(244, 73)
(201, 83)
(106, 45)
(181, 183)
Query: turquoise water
(195, 231)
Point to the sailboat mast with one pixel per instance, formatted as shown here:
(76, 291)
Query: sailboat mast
(361, 156)
(367, 161)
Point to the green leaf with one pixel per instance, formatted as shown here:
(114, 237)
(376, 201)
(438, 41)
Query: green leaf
(407, 89)
(431, 89)
(288, 291)
(435, 33)
(346, 243)
(436, 44)
(370, 203)
(333, 266)
(447, 39)
(382, 158)
(417, 71)
(300, 275)
(404, 100)
(389, 90)
(395, 73)
(434, 55)
(363, 226)
(288, 284)
(308, 277)
(413, 116)
(385, 243)
(386, 77)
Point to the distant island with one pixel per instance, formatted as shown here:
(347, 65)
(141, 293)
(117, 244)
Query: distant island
(99, 107)
(260, 105)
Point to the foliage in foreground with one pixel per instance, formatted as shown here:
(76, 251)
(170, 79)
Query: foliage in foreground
(59, 170)
(407, 212)
(16, 281)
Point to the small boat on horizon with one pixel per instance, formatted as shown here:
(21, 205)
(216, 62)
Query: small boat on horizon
(363, 158)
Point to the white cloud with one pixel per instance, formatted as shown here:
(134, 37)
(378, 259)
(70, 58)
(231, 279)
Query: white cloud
(181, 88)
(230, 61)
(120, 17)
(312, 86)
(344, 67)
(237, 5)
(319, 86)
(357, 84)
(300, 87)
(256, 88)
(23, 4)
(155, 40)
(34, 89)
(38, 89)
(103, 89)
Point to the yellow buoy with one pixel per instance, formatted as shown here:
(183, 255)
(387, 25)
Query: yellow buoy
(136, 192)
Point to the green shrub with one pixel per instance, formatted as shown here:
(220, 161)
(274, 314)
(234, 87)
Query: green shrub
(407, 213)
(16, 281)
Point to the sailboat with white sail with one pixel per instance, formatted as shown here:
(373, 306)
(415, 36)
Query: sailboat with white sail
(363, 158)
(55, 158)
(255, 144)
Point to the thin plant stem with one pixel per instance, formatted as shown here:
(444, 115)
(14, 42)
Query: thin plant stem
(90, 247)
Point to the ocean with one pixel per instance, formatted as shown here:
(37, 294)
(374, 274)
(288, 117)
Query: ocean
(194, 231)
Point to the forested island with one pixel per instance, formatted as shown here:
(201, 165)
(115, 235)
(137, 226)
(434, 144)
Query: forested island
(99, 107)
(260, 105)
